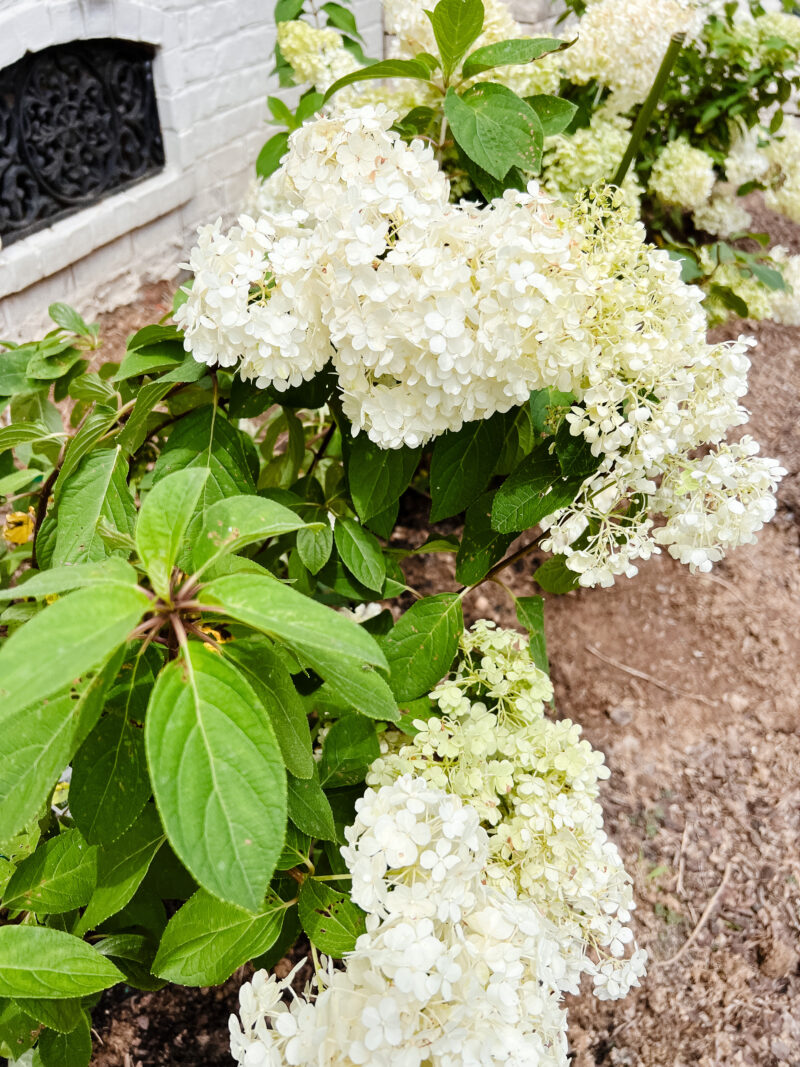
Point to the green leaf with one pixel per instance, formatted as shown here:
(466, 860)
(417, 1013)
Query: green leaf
(554, 576)
(481, 545)
(272, 683)
(337, 648)
(24, 433)
(387, 68)
(288, 10)
(133, 954)
(237, 521)
(96, 490)
(58, 877)
(341, 18)
(509, 53)
(150, 360)
(456, 25)
(121, 868)
(314, 546)
(61, 1015)
(65, 579)
(68, 318)
(462, 464)
(110, 784)
(574, 453)
(73, 1049)
(36, 961)
(71, 636)
(153, 334)
(18, 1029)
(350, 746)
(207, 939)
(534, 489)
(96, 424)
(39, 741)
(331, 920)
(163, 519)
(270, 156)
(495, 128)
(378, 476)
(530, 612)
(309, 808)
(13, 378)
(45, 365)
(205, 438)
(217, 775)
(421, 647)
(548, 406)
(555, 113)
(150, 395)
(361, 553)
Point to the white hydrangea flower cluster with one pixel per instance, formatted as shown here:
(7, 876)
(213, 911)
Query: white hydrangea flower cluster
(534, 784)
(574, 162)
(682, 176)
(621, 44)
(785, 303)
(317, 56)
(716, 502)
(723, 214)
(450, 973)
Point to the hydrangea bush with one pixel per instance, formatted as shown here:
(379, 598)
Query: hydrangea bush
(227, 719)
(721, 128)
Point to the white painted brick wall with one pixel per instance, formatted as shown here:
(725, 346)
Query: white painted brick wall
(212, 75)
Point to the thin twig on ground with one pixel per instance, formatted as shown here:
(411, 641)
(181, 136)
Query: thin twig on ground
(709, 908)
(649, 677)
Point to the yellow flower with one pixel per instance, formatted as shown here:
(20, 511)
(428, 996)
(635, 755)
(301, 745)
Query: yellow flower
(19, 526)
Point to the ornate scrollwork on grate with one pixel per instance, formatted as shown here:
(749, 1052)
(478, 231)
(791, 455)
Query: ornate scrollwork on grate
(77, 121)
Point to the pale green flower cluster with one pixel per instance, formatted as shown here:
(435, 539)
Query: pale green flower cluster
(591, 154)
(683, 176)
(747, 287)
(534, 782)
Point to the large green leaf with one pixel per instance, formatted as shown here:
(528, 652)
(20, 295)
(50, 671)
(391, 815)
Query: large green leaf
(331, 920)
(350, 746)
(206, 439)
(110, 784)
(18, 1028)
(481, 545)
(378, 476)
(361, 553)
(121, 868)
(150, 395)
(272, 683)
(71, 636)
(217, 775)
(61, 1015)
(73, 1049)
(238, 521)
(422, 645)
(112, 571)
(89, 433)
(509, 53)
(314, 546)
(163, 519)
(40, 740)
(24, 433)
(536, 488)
(387, 68)
(58, 877)
(555, 113)
(207, 939)
(456, 25)
(36, 961)
(462, 464)
(337, 648)
(97, 489)
(309, 808)
(495, 128)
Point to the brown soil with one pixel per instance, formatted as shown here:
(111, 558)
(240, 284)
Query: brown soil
(690, 687)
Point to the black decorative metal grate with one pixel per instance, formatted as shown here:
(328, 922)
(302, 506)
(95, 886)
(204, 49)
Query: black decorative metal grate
(77, 122)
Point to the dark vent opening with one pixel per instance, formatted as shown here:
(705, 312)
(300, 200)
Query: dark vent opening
(77, 122)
